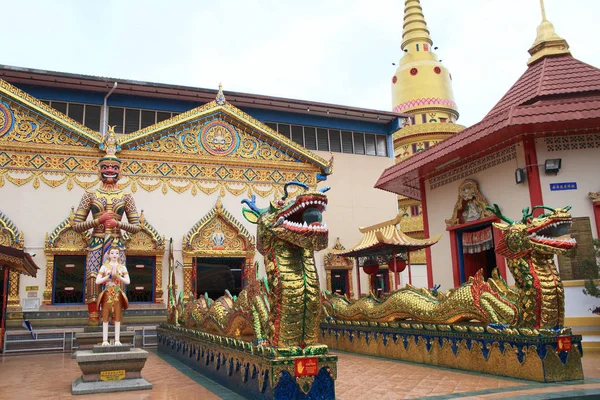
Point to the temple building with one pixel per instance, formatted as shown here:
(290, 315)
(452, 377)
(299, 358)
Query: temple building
(538, 146)
(189, 157)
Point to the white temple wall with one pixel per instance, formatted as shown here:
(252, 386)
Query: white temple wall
(496, 184)
(353, 202)
(580, 166)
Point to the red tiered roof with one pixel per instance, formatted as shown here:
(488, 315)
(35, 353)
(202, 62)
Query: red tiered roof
(557, 95)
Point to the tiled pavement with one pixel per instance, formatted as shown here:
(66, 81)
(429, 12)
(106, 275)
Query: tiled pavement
(49, 376)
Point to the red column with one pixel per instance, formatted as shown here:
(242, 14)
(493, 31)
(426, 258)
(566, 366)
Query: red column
(455, 255)
(500, 260)
(357, 279)
(426, 232)
(596, 205)
(533, 174)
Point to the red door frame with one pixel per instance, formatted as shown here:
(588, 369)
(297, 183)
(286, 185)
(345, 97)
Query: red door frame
(4, 290)
(453, 230)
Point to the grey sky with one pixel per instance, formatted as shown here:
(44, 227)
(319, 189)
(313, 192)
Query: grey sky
(323, 50)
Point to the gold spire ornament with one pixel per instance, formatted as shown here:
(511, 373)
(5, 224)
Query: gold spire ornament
(220, 99)
(547, 42)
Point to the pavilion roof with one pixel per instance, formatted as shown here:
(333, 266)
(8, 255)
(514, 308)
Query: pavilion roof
(18, 260)
(386, 238)
(556, 96)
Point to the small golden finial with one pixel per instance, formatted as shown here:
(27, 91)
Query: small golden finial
(543, 10)
(220, 96)
(547, 42)
(110, 145)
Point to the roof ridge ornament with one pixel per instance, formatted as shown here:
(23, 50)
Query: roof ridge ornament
(110, 145)
(220, 99)
(547, 41)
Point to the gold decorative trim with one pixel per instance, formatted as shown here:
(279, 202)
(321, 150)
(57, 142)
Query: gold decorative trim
(13, 302)
(431, 127)
(470, 201)
(147, 134)
(582, 321)
(333, 261)
(578, 283)
(9, 233)
(146, 241)
(49, 112)
(218, 234)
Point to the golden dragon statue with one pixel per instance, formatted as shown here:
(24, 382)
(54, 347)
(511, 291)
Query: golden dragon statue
(283, 310)
(536, 301)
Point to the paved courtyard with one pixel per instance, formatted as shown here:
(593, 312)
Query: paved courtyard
(49, 376)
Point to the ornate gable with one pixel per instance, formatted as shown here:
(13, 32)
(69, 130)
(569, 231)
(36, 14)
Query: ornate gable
(147, 240)
(218, 231)
(64, 239)
(220, 133)
(9, 233)
(25, 120)
(335, 261)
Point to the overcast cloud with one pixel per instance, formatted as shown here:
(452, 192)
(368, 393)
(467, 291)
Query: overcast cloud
(323, 50)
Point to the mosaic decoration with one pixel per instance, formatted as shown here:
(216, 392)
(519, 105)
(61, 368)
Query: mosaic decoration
(207, 149)
(520, 353)
(428, 101)
(219, 138)
(470, 205)
(6, 118)
(574, 142)
(469, 169)
(37, 122)
(251, 370)
(536, 301)
(9, 233)
(289, 231)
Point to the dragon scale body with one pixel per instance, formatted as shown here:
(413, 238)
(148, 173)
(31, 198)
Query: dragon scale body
(536, 301)
(295, 290)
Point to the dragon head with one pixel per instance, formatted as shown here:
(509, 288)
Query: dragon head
(296, 220)
(545, 234)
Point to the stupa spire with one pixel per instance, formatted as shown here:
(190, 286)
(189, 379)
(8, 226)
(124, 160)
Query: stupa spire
(547, 42)
(414, 28)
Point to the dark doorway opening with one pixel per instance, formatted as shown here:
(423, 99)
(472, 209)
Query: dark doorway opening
(141, 274)
(3, 301)
(215, 275)
(339, 282)
(69, 276)
(380, 282)
(471, 261)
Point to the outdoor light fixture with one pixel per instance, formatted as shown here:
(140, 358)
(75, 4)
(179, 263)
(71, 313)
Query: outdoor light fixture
(552, 166)
(520, 175)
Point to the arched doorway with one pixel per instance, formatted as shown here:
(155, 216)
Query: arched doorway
(218, 253)
(338, 271)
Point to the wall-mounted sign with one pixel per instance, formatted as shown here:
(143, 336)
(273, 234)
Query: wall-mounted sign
(563, 186)
(32, 288)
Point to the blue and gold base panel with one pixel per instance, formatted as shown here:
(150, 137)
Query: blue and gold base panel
(526, 354)
(255, 372)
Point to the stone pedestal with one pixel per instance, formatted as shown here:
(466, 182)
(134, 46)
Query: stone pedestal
(92, 335)
(110, 369)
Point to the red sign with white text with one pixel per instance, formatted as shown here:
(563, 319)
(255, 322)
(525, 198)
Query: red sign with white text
(564, 343)
(307, 366)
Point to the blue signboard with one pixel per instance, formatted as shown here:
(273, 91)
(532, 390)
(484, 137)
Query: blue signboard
(563, 186)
